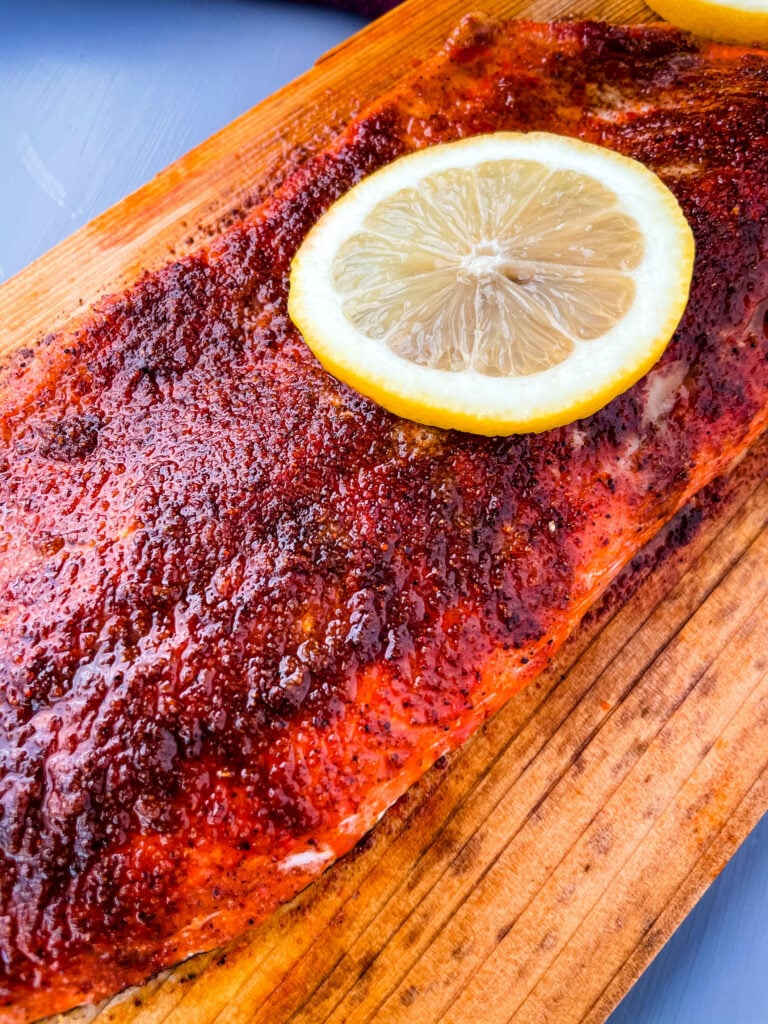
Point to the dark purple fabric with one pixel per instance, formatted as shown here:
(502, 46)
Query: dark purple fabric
(368, 8)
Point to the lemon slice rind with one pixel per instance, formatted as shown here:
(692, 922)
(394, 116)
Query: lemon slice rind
(735, 21)
(593, 373)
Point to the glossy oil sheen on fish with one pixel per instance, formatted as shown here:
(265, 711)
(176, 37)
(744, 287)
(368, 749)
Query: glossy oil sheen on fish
(242, 608)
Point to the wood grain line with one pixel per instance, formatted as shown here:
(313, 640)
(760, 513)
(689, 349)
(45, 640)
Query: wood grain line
(758, 687)
(532, 907)
(745, 712)
(607, 795)
(706, 869)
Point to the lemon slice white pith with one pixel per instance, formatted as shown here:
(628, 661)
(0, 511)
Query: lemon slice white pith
(504, 283)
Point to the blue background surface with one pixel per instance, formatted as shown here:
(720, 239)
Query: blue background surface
(95, 98)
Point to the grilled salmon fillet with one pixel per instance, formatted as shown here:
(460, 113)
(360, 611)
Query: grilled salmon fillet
(242, 608)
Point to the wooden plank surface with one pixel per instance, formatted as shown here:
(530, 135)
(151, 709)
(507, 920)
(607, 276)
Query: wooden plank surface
(532, 876)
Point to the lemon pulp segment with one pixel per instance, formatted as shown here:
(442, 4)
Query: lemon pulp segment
(497, 268)
(505, 282)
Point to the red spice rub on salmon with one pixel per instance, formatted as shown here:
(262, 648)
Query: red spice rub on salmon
(242, 608)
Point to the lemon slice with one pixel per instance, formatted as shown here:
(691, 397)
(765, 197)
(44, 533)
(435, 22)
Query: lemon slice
(737, 21)
(504, 283)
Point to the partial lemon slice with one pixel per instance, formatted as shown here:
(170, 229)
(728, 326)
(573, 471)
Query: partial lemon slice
(504, 283)
(734, 21)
